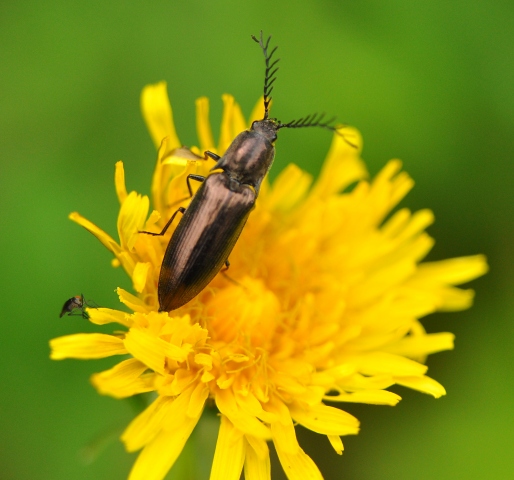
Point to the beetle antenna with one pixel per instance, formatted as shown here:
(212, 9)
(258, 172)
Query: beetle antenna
(315, 120)
(271, 70)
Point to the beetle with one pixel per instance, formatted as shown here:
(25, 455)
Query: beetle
(213, 221)
(77, 302)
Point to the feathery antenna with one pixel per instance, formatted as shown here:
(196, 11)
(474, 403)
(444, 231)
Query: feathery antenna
(271, 70)
(313, 120)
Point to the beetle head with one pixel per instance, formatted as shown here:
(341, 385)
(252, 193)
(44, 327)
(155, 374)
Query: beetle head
(267, 127)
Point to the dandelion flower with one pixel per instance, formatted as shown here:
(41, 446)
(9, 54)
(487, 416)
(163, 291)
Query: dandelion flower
(323, 306)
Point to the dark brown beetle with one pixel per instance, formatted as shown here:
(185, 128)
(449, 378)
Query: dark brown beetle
(76, 303)
(212, 223)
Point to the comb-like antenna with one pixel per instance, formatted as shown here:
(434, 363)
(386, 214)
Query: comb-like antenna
(269, 77)
(315, 120)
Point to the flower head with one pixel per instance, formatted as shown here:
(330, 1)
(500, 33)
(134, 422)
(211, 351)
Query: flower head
(323, 303)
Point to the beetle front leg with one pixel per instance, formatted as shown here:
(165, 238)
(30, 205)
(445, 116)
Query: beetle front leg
(181, 210)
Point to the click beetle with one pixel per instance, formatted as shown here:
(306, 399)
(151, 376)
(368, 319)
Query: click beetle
(76, 303)
(213, 221)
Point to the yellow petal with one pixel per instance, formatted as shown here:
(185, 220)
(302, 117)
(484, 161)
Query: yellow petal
(227, 405)
(86, 346)
(133, 302)
(342, 166)
(104, 238)
(197, 400)
(414, 346)
(147, 424)
(453, 299)
(249, 404)
(123, 380)
(119, 182)
(139, 275)
(336, 443)
(377, 363)
(372, 397)
(422, 384)
(203, 125)
(259, 446)
(131, 219)
(156, 109)
(229, 454)
(152, 350)
(454, 271)
(298, 466)
(155, 460)
(289, 188)
(232, 123)
(103, 316)
(325, 420)
(256, 467)
(284, 438)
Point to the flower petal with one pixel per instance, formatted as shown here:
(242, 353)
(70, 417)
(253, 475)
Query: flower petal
(372, 397)
(104, 238)
(151, 350)
(248, 424)
(454, 271)
(155, 460)
(377, 363)
(256, 466)
(422, 384)
(133, 302)
(325, 420)
(342, 166)
(156, 109)
(232, 123)
(123, 380)
(131, 219)
(229, 454)
(337, 444)
(414, 346)
(86, 346)
(139, 275)
(119, 182)
(203, 125)
(103, 316)
(289, 188)
(298, 466)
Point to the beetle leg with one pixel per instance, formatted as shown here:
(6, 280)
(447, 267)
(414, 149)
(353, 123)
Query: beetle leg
(82, 314)
(230, 279)
(192, 176)
(212, 155)
(180, 209)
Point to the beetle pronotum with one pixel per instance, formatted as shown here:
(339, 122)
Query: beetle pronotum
(213, 221)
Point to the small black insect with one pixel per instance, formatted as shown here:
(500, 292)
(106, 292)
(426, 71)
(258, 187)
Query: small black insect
(77, 303)
(211, 225)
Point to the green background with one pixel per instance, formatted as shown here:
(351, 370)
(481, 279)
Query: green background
(430, 82)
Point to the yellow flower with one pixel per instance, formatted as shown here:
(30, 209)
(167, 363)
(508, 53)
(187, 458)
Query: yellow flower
(323, 303)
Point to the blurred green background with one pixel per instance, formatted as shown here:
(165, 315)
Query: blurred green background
(430, 82)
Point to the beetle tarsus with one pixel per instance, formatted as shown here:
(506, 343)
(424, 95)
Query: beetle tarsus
(208, 154)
